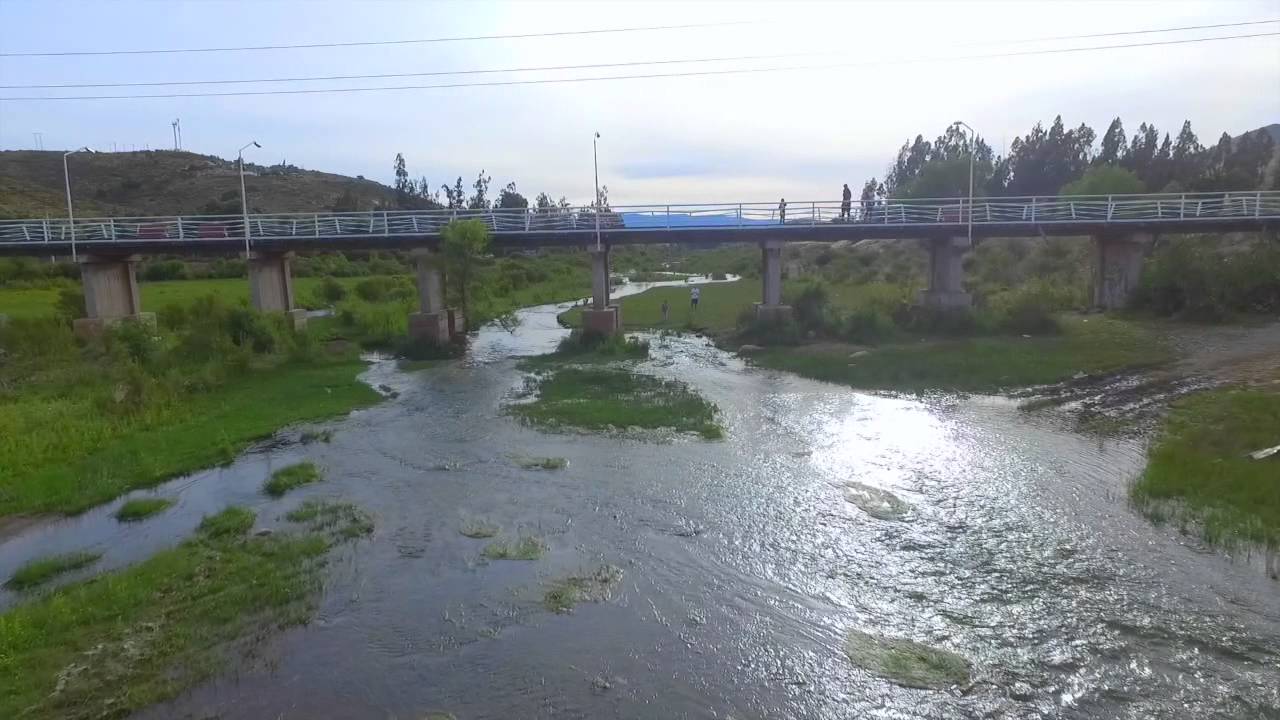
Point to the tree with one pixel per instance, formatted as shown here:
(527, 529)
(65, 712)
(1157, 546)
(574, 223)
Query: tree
(463, 243)
(480, 200)
(454, 195)
(509, 199)
(1104, 180)
(1114, 146)
(403, 186)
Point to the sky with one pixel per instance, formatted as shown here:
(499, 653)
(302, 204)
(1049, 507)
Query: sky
(888, 71)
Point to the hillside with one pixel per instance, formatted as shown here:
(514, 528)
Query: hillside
(165, 182)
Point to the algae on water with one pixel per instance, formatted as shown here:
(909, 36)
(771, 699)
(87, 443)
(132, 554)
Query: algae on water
(877, 503)
(906, 662)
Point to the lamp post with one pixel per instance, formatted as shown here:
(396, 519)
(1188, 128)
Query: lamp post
(595, 162)
(244, 198)
(71, 214)
(973, 149)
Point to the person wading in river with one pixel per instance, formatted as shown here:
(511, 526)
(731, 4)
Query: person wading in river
(694, 294)
(666, 311)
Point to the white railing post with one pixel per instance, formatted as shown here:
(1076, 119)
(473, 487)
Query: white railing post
(45, 225)
(386, 229)
(739, 214)
(1159, 209)
(1033, 209)
(113, 229)
(181, 232)
(668, 217)
(528, 219)
(1073, 209)
(1111, 207)
(315, 222)
(1257, 204)
(1182, 207)
(813, 212)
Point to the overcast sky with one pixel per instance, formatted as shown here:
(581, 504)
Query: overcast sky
(745, 137)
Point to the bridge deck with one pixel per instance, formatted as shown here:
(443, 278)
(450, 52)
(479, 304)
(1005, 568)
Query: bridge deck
(733, 222)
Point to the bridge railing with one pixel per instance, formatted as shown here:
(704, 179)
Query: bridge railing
(1188, 207)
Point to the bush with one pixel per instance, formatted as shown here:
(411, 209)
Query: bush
(947, 322)
(70, 303)
(868, 326)
(580, 342)
(780, 331)
(384, 289)
(137, 340)
(426, 349)
(330, 291)
(249, 328)
(165, 270)
(1191, 278)
(812, 308)
(1030, 308)
(30, 338)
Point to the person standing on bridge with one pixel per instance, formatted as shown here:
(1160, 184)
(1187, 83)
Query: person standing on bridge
(846, 203)
(782, 211)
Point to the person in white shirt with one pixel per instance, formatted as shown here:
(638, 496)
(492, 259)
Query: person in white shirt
(694, 294)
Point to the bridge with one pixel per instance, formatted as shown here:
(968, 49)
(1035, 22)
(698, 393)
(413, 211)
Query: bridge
(1123, 226)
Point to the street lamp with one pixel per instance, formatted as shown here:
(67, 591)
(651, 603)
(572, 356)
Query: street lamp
(595, 161)
(973, 149)
(244, 199)
(71, 214)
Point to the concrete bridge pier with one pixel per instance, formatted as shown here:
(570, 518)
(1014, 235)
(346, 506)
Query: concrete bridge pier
(602, 317)
(271, 286)
(770, 307)
(1117, 267)
(434, 322)
(110, 293)
(946, 273)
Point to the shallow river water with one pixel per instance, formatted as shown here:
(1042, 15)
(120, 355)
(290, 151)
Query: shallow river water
(746, 561)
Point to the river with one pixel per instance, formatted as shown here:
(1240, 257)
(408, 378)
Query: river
(746, 561)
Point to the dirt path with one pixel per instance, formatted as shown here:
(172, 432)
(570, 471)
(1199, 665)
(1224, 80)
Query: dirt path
(1226, 353)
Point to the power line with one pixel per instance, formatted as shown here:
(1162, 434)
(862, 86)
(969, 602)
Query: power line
(594, 66)
(517, 36)
(646, 76)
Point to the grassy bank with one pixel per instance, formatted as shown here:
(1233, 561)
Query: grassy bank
(135, 637)
(156, 296)
(983, 365)
(1199, 474)
(64, 455)
(903, 361)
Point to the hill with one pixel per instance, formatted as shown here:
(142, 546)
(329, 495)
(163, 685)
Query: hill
(166, 182)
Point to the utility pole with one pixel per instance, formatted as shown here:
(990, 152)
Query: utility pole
(595, 162)
(39, 136)
(244, 199)
(177, 133)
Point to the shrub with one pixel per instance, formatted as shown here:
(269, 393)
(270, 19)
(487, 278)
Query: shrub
(384, 289)
(331, 291)
(1191, 278)
(165, 270)
(812, 308)
(579, 342)
(71, 303)
(426, 349)
(136, 340)
(926, 320)
(867, 325)
(249, 328)
(773, 331)
(45, 338)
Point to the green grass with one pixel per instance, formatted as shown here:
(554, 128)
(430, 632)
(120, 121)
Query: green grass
(64, 455)
(40, 571)
(479, 529)
(563, 594)
(232, 521)
(983, 365)
(718, 308)
(542, 463)
(156, 296)
(523, 548)
(288, 478)
(349, 520)
(1198, 473)
(905, 662)
(142, 508)
(127, 639)
(602, 399)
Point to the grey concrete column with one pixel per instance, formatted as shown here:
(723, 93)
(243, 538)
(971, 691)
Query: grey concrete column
(771, 272)
(434, 322)
(946, 273)
(430, 280)
(110, 293)
(602, 317)
(599, 278)
(1117, 267)
(271, 285)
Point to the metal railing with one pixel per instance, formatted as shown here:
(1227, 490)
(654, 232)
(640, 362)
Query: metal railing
(1190, 208)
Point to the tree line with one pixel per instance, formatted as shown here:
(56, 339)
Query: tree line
(1065, 161)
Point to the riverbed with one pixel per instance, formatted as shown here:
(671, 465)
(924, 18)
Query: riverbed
(745, 561)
